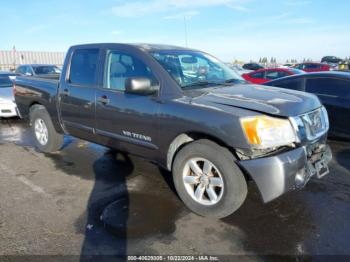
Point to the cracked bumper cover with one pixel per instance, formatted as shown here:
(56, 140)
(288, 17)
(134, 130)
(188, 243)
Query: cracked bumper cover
(281, 173)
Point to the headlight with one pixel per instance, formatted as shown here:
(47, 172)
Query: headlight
(267, 132)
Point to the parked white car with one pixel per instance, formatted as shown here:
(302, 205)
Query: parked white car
(8, 107)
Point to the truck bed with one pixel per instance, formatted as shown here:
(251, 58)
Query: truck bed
(32, 90)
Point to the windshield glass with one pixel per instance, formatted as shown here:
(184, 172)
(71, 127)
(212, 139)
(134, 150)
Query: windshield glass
(5, 82)
(44, 70)
(192, 69)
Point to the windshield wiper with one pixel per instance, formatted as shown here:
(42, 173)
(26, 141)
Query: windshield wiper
(204, 83)
(234, 81)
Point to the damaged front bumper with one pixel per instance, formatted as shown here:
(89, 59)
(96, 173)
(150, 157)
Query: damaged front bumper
(276, 175)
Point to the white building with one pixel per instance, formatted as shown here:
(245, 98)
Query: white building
(9, 60)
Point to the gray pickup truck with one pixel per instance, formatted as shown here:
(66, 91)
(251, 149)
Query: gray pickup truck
(189, 113)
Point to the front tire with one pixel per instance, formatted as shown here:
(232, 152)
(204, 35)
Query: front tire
(208, 180)
(45, 136)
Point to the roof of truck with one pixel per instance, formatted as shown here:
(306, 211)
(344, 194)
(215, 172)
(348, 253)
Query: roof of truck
(143, 46)
(36, 65)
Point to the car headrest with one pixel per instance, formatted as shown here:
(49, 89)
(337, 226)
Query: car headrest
(117, 68)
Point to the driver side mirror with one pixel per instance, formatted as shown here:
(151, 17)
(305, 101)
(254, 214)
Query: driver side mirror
(139, 85)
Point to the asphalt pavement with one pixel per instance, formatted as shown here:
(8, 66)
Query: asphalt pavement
(88, 200)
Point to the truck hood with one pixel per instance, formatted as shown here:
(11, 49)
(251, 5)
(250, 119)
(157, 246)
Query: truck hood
(265, 99)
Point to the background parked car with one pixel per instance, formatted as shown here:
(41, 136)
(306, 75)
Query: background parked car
(312, 67)
(8, 107)
(239, 69)
(264, 75)
(332, 88)
(252, 66)
(10, 75)
(331, 59)
(344, 66)
(287, 65)
(39, 70)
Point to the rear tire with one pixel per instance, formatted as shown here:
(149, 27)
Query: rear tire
(46, 138)
(219, 190)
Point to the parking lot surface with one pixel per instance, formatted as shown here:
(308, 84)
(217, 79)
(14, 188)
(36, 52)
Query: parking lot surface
(89, 200)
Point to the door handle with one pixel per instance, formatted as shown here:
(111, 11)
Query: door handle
(65, 92)
(103, 100)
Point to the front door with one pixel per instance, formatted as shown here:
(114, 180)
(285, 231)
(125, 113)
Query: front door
(126, 121)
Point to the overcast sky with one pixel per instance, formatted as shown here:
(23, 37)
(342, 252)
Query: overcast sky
(229, 29)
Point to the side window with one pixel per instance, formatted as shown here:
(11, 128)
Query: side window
(255, 67)
(272, 75)
(257, 75)
(119, 67)
(20, 70)
(28, 70)
(294, 84)
(328, 87)
(83, 67)
(282, 74)
(311, 66)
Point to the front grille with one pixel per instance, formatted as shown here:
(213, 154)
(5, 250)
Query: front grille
(316, 123)
(6, 111)
(312, 125)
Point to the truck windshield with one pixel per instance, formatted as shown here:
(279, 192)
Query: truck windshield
(192, 69)
(45, 70)
(5, 82)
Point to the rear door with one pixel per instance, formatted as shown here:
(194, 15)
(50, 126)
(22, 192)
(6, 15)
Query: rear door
(77, 92)
(335, 95)
(126, 121)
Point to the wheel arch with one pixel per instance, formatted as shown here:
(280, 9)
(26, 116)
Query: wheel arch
(185, 138)
(32, 106)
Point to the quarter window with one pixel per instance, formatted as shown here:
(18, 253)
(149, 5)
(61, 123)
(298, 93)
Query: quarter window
(83, 67)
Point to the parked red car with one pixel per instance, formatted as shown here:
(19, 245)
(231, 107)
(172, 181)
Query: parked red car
(312, 67)
(267, 74)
